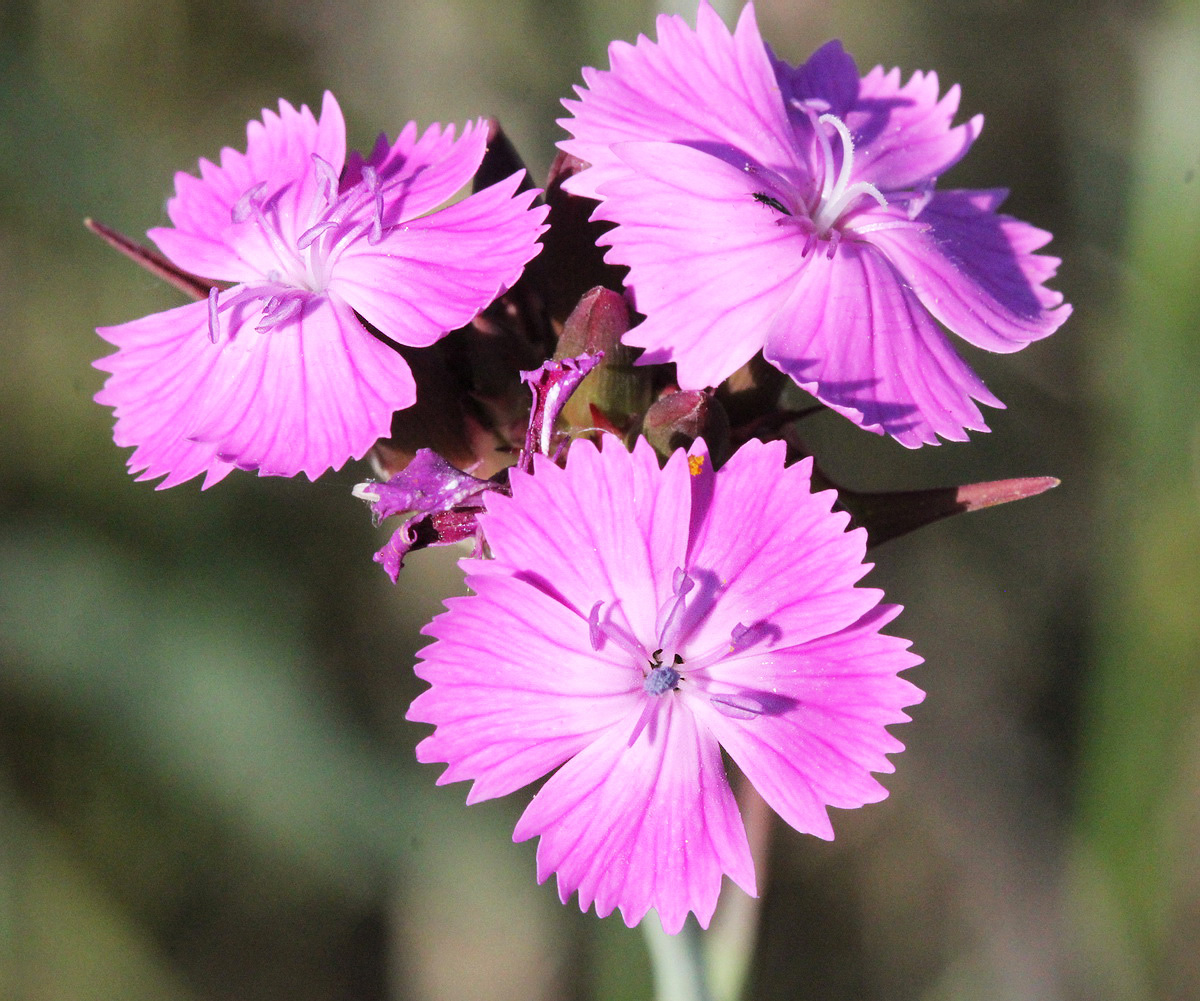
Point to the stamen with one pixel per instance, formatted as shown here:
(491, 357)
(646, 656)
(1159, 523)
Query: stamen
(327, 177)
(244, 207)
(746, 636)
(741, 638)
(808, 105)
(594, 633)
(648, 712)
(600, 632)
(279, 309)
(309, 236)
(922, 197)
(214, 321)
(664, 678)
(737, 706)
(375, 190)
(249, 206)
(667, 621)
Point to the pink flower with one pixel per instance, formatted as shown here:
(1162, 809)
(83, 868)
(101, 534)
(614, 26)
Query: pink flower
(793, 210)
(636, 620)
(277, 373)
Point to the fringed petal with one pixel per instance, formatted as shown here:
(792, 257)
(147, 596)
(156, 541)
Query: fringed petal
(652, 825)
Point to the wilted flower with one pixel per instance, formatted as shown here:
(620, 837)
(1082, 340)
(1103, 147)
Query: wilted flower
(633, 622)
(277, 373)
(793, 210)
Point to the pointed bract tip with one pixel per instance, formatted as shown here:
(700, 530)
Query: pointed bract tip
(977, 496)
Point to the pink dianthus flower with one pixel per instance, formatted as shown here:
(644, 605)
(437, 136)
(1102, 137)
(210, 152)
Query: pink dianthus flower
(277, 373)
(634, 621)
(793, 210)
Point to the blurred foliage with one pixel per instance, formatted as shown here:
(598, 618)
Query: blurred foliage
(207, 789)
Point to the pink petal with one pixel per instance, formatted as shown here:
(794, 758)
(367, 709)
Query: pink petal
(903, 134)
(302, 398)
(158, 376)
(792, 566)
(654, 825)
(710, 265)
(517, 688)
(860, 341)
(976, 270)
(419, 173)
(829, 75)
(611, 525)
(706, 88)
(279, 152)
(823, 734)
(434, 274)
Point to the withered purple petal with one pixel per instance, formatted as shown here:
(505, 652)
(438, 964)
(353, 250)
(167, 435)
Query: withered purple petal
(552, 385)
(427, 486)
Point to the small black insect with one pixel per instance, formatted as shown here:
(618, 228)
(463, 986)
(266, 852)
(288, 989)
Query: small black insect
(762, 196)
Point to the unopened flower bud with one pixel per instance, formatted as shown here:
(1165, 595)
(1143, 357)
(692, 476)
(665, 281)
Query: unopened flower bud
(615, 392)
(677, 419)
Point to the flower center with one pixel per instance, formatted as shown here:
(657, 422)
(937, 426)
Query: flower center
(661, 669)
(295, 269)
(838, 194)
(662, 678)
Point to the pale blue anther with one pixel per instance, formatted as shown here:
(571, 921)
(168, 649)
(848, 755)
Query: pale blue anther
(661, 680)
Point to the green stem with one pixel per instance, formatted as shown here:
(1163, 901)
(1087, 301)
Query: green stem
(678, 962)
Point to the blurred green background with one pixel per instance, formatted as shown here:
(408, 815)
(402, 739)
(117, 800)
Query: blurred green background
(207, 789)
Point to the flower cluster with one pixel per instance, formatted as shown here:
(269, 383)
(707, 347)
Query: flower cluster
(655, 582)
